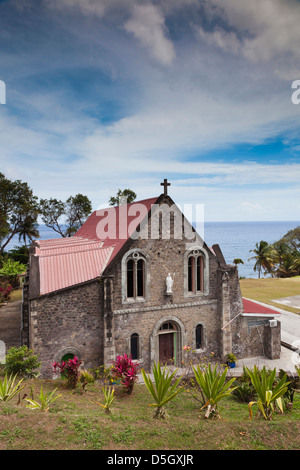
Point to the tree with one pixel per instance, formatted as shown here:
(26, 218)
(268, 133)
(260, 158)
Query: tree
(292, 238)
(67, 217)
(28, 229)
(17, 204)
(264, 256)
(237, 261)
(126, 195)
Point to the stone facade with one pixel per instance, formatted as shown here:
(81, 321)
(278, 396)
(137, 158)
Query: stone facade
(96, 320)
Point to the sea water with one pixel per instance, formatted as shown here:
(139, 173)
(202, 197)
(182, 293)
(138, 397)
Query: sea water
(235, 239)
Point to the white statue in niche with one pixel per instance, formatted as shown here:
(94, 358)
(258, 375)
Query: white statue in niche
(169, 283)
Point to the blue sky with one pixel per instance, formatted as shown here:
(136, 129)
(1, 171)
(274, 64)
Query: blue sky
(111, 94)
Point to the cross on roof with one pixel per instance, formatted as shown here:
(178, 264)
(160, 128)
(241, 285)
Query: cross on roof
(165, 184)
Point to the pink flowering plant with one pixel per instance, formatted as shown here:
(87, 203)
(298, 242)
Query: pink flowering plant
(69, 369)
(5, 293)
(125, 370)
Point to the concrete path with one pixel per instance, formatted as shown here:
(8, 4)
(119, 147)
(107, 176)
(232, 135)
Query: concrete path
(10, 324)
(293, 301)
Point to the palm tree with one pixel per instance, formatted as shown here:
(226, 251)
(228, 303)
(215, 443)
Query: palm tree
(264, 256)
(28, 229)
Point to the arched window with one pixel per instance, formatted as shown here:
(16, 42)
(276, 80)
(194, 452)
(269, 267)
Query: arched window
(199, 336)
(195, 272)
(134, 346)
(135, 276)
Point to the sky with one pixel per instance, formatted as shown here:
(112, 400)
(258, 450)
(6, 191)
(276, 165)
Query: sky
(109, 94)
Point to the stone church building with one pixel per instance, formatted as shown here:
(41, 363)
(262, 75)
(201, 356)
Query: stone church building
(138, 279)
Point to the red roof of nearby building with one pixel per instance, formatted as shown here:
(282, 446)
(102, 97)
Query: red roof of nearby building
(252, 307)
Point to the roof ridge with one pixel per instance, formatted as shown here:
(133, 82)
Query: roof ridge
(102, 248)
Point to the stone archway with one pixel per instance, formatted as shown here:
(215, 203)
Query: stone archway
(167, 341)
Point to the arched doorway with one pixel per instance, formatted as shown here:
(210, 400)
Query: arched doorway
(167, 340)
(167, 343)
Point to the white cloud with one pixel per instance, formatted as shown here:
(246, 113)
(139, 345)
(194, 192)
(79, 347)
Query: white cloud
(264, 30)
(147, 25)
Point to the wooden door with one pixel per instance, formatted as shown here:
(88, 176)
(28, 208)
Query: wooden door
(166, 347)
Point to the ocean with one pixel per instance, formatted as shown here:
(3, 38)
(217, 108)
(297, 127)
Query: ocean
(235, 239)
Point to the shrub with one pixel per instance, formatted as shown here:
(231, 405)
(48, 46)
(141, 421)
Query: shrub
(5, 293)
(11, 269)
(46, 399)
(213, 386)
(8, 389)
(109, 395)
(244, 391)
(268, 393)
(165, 388)
(124, 369)
(22, 361)
(70, 369)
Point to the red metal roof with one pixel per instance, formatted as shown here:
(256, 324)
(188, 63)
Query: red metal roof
(252, 307)
(65, 262)
(122, 221)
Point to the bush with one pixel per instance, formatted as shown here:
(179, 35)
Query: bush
(11, 269)
(124, 369)
(69, 369)
(164, 389)
(244, 391)
(5, 293)
(21, 361)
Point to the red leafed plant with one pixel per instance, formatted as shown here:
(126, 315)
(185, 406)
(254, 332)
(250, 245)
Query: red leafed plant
(5, 293)
(69, 369)
(126, 370)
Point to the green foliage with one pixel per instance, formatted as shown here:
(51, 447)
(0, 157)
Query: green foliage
(22, 361)
(18, 209)
(46, 399)
(231, 358)
(86, 376)
(8, 389)
(67, 217)
(264, 257)
(282, 258)
(123, 196)
(166, 387)
(244, 390)
(213, 386)
(268, 392)
(237, 261)
(11, 269)
(293, 386)
(109, 395)
(20, 254)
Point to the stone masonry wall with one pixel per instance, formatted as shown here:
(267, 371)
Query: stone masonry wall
(253, 336)
(69, 321)
(142, 317)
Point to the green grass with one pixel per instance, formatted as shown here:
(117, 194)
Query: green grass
(75, 421)
(269, 289)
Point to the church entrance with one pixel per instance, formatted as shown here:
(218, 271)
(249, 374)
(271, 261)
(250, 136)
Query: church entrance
(167, 343)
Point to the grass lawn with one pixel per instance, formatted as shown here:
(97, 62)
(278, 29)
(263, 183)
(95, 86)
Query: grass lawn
(75, 422)
(268, 289)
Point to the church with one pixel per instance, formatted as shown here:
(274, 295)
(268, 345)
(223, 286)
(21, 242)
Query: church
(138, 279)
